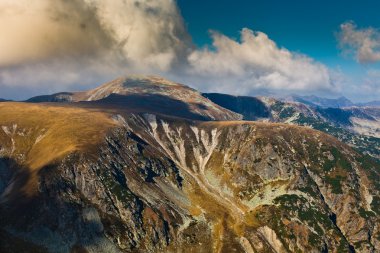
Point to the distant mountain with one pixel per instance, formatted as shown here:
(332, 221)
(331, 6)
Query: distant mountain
(58, 97)
(356, 126)
(3, 100)
(148, 94)
(250, 107)
(319, 101)
(340, 102)
(370, 104)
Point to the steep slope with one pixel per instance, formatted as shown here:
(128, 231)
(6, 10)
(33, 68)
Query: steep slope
(151, 183)
(148, 93)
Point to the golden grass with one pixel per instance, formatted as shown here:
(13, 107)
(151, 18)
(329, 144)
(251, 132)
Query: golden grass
(45, 133)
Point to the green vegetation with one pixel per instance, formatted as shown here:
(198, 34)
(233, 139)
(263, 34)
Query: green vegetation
(283, 110)
(118, 189)
(287, 112)
(365, 214)
(364, 144)
(313, 217)
(335, 183)
(372, 168)
(277, 106)
(343, 246)
(339, 161)
(375, 205)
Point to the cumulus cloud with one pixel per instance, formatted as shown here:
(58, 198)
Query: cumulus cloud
(256, 62)
(33, 31)
(140, 34)
(363, 43)
(55, 45)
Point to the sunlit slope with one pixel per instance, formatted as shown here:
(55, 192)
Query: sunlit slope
(37, 135)
(262, 180)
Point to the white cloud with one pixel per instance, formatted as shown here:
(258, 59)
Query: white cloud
(59, 45)
(364, 43)
(38, 30)
(53, 45)
(131, 30)
(256, 62)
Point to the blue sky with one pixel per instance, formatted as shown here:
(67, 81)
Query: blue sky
(308, 27)
(298, 25)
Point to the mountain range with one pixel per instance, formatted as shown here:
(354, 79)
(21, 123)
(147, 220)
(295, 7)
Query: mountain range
(143, 164)
(358, 127)
(328, 102)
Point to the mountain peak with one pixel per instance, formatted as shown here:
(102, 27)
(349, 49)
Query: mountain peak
(151, 94)
(135, 84)
(142, 81)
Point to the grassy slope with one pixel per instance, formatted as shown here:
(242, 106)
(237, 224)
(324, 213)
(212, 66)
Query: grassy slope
(37, 135)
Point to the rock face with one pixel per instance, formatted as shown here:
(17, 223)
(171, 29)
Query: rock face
(141, 182)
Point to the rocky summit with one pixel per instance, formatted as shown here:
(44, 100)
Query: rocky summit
(125, 168)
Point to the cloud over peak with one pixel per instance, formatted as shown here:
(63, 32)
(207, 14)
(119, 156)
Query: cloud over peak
(59, 44)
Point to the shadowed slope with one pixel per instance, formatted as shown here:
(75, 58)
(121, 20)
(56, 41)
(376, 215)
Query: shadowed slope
(250, 107)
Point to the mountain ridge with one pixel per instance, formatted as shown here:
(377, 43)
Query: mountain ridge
(199, 173)
(356, 126)
(316, 101)
(115, 175)
(149, 92)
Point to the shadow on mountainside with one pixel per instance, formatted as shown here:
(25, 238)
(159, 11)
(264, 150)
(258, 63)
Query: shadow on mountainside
(15, 206)
(143, 103)
(74, 209)
(154, 103)
(250, 107)
(27, 222)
